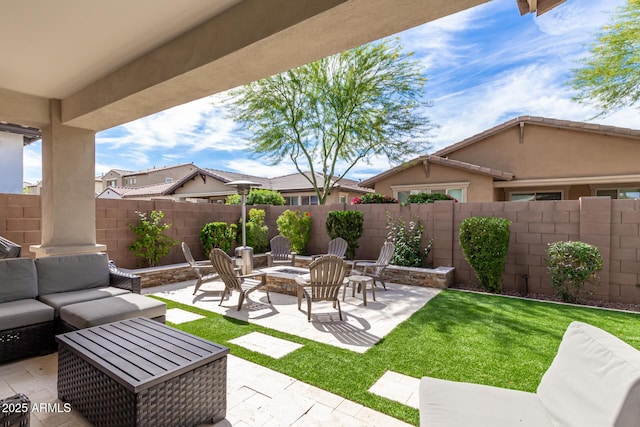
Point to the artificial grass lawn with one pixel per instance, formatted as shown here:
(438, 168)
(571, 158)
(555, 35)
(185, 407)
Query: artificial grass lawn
(461, 336)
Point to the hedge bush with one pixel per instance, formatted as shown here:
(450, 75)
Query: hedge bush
(485, 241)
(218, 235)
(257, 196)
(346, 224)
(572, 264)
(151, 244)
(295, 226)
(257, 232)
(368, 198)
(428, 198)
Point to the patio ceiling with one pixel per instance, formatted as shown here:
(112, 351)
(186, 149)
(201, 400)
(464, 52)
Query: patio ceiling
(111, 62)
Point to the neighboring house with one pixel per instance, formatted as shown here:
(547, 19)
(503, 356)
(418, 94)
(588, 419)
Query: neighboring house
(527, 158)
(143, 178)
(13, 138)
(209, 186)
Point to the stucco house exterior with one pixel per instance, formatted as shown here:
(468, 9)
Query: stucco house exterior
(203, 185)
(526, 158)
(142, 178)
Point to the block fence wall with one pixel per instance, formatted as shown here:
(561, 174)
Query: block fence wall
(611, 225)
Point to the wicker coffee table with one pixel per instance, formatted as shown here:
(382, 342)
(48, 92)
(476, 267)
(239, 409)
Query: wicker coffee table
(140, 372)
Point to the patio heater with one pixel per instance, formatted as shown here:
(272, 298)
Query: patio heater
(244, 253)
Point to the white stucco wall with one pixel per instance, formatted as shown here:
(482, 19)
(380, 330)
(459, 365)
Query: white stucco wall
(10, 163)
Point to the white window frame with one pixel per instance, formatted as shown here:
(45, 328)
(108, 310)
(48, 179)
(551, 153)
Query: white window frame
(428, 188)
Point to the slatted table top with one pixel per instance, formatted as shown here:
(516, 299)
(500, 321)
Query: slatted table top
(140, 353)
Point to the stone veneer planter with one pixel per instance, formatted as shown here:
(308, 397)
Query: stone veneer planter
(441, 277)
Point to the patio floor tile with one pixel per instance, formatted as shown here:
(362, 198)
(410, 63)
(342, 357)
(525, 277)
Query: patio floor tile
(266, 344)
(398, 387)
(361, 328)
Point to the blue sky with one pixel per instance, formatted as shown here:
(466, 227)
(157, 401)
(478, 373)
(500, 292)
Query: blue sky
(484, 66)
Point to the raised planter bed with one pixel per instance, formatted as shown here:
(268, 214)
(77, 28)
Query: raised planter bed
(441, 277)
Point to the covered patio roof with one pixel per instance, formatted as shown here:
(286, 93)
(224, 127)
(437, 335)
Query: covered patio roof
(75, 67)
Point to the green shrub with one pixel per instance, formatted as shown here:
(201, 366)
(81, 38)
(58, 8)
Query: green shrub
(257, 196)
(485, 242)
(257, 232)
(346, 224)
(295, 226)
(571, 265)
(428, 198)
(368, 198)
(151, 243)
(407, 239)
(218, 235)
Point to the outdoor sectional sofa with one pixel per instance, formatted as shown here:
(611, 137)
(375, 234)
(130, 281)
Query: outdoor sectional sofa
(594, 380)
(42, 297)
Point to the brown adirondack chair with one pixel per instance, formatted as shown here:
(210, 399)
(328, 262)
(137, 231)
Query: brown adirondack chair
(244, 284)
(280, 253)
(203, 269)
(337, 246)
(326, 277)
(375, 269)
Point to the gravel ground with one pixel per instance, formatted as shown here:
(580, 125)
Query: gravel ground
(542, 297)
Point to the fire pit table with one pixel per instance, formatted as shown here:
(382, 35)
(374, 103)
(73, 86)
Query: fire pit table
(140, 372)
(282, 278)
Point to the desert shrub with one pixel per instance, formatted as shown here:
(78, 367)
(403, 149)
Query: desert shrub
(373, 198)
(428, 198)
(295, 226)
(257, 196)
(151, 244)
(407, 239)
(218, 235)
(572, 264)
(346, 224)
(257, 232)
(485, 241)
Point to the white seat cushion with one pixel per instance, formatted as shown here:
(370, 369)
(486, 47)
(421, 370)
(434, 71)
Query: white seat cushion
(456, 404)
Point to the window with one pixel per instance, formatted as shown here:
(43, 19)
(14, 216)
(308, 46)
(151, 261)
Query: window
(536, 195)
(130, 181)
(309, 200)
(619, 193)
(168, 180)
(457, 190)
(343, 197)
(291, 200)
(112, 183)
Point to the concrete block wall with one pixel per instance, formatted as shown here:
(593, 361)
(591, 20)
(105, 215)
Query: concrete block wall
(612, 225)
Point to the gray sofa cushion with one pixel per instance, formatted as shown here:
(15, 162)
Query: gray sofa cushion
(61, 299)
(121, 307)
(17, 279)
(72, 273)
(25, 312)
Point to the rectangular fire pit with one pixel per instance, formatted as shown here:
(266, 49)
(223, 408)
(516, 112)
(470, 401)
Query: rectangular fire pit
(282, 278)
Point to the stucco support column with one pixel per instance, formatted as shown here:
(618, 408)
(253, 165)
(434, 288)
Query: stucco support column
(68, 197)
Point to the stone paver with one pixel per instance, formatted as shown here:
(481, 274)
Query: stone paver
(266, 344)
(398, 387)
(178, 316)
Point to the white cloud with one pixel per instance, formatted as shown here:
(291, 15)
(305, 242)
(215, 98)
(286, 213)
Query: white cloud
(32, 162)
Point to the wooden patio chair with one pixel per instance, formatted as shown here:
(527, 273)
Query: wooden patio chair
(233, 281)
(203, 269)
(337, 247)
(375, 269)
(326, 277)
(280, 253)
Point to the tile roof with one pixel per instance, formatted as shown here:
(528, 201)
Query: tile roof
(147, 190)
(156, 169)
(541, 121)
(494, 173)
